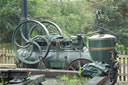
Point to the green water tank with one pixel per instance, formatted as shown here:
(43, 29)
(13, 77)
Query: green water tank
(101, 46)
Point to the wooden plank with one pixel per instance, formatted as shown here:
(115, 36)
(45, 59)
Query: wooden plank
(4, 50)
(120, 68)
(7, 65)
(10, 59)
(98, 81)
(13, 59)
(124, 68)
(7, 59)
(10, 54)
(4, 58)
(7, 56)
(1, 58)
(122, 74)
(123, 56)
(119, 52)
(127, 68)
(123, 52)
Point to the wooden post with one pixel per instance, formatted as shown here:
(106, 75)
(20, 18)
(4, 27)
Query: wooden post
(0, 56)
(123, 52)
(7, 56)
(124, 69)
(13, 58)
(127, 69)
(120, 69)
(119, 52)
(1, 59)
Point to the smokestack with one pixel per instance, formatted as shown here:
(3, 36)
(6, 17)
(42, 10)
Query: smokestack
(24, 11)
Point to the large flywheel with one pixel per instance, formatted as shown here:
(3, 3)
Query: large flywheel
(53, 28)
(25, 47)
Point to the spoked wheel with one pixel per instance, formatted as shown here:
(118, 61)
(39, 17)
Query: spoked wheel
(77, 64)
(25, 46)
(53, 28)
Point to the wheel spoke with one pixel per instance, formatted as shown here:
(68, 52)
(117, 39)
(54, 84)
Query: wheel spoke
(73, 68)
(22, 46)
(31, 30)
(37, 46)
(54, 25)
(77, 64)
(24, 38)
(47, 25)
(29, 53)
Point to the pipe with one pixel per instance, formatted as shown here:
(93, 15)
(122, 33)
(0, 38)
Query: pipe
(24, 11)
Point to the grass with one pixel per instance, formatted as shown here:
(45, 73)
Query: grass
(3, 83)
(73, 80)
(67, 80)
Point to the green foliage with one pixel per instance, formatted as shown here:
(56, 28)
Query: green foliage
(9, 16)
(68, 15)
(2, 82)
(114, 17)
(71, 16)
(122, 49)
(73, 80)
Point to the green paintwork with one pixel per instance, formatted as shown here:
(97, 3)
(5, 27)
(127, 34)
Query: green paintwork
(57, 64)
(101, 55)
(101, 43)
(101, 46)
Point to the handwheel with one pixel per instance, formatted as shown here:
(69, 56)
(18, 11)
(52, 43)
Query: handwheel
(24, 47)
(77, 64)
(51, 25)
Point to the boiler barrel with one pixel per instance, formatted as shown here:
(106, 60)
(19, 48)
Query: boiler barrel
(101, 46)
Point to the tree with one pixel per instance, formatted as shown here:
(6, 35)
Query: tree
(114, 17)
(9, 16)
(71, 16)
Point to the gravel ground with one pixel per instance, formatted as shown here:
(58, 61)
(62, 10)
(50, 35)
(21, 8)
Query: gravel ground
(121, 83)
(54, 81)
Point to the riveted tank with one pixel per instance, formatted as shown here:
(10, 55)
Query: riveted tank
(101, 47)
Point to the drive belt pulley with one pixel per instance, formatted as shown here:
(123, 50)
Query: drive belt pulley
(36, 32)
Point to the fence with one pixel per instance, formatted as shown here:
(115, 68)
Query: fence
(7, 56)
(123, 68)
